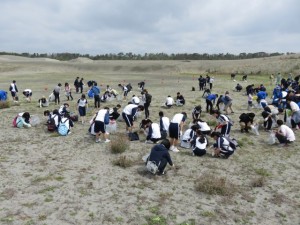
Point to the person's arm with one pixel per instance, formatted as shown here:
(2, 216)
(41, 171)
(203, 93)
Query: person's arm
(169, 160)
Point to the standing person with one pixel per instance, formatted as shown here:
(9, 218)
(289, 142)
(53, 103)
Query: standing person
(201, 83)
(96, 90)
(211, 81)
(76, 84)
(295, 113)
(250, 101)
(147, 98)
(227, 102)
(82, 105)
(81, 84)
(129, 113)
(141, 85)
(68, 91)
(99, 127)
(164, 123)
(56, 93)
(160, 156)
(13, 90)
(210, 100)
(284, 134)
(27, 93)
(207, 80)
(223, 122)
(175, 129)
(125, 91)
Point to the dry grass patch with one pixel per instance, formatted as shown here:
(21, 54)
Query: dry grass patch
(212, 185)
(119, 145)
(4, 104)
(123, 161)
(258, 182)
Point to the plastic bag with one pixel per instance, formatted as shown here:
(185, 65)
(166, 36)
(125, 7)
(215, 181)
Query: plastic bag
(272, 139)
(35, 120)
(254, 129)
(111, 127)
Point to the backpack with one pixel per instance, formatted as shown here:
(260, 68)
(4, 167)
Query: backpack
(51, 123)
(232, 143)
(62, 128)
(152, 167)
(14, 122)
(148, 98)
(133, 136)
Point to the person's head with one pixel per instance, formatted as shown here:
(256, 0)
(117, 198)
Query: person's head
(59, 85)
(178, 93)
(133, 95)
(279, 122)
(95, 84)
(161, 114)
(141, 108)
(119, 85)
(77, 77)
(14, 81)
(55, 112)
(195, 127)
(227, 92)
(107, 86)
(198, 107)
(184, 114)
(280, 110)
(217, 95)
(215, 135)
(83, 96)
(169, 96)
(66, 84)
(26, 115)
(251, 115)
(166, 143)
(145, 91)
(46, 113)
(118, 106)
(66, 105)
(216, 113)
(106, 108)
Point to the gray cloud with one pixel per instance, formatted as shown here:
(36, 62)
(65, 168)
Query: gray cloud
(170, 26)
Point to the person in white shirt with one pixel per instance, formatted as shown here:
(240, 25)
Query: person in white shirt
(284, 134)
(204, 128)
(153, 134)
(100, 119)
(200, 144)
(82, 105)
(295, 113)
(13, 90)
(169, 102)
(164, 123)
(135, 100)
(175, 129)
(129, 113)
(27, 93)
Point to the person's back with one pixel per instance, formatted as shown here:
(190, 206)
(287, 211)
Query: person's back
(158, 153)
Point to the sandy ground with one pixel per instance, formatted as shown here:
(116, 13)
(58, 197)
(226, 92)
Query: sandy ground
(47, 179)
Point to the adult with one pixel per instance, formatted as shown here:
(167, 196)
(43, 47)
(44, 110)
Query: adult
(76, 84)
(164, 123)
(284, 134)
(129, 114)
(210, 100)
(160, 156)
(28, 94)
(169, 101)
(82, 105)
(96, 90)
(223, 122)
(175, 129)
(153, 131)
(246, 120)
(147, 98)
(200, 144)
(99, 127)
(13, 90)
(68, 91)
(221, 146)
(180, 99)
(81, 84)
(56, 93)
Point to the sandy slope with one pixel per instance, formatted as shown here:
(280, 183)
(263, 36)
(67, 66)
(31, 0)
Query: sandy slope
(46, 179)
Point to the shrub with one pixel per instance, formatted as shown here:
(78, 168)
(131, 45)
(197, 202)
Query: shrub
(212, 123)
(123, 161)
(4, 104)
(119, 145)
(213, 185)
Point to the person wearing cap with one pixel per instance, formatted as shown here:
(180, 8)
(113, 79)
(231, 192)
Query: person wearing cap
(246, 120)
(56, 93)
(175, 129)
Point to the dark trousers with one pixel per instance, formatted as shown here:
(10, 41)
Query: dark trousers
(268, 124)
(70, 96)
(199, 152)
(209, 105)
(97, 101)
(201, 86)
(146, 108)
(162, 165)
(282, 139)
(294, 124)
(77, 89)
(210, 86)
(56, 98)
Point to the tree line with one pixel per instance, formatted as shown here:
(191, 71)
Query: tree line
(148, 56)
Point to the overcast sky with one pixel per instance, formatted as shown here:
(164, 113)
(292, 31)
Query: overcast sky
(149, 26)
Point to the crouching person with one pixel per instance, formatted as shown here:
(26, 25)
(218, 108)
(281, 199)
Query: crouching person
(43, 102)
(23, 120)
(160, 157)
(200, 144)
(101, 119)
(284, 134)
(222, 146)
(65, 125)
(153, 134)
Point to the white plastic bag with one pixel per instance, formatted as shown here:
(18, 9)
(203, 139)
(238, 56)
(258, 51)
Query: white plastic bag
(111, 127)
(272, 138)
(254, 129)
(34, 120)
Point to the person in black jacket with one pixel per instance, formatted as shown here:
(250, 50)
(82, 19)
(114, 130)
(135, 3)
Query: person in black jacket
(160, 155)
(246, 120)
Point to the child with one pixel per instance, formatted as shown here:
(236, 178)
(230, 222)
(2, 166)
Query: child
(250, 100)
(82, 105)
(68, 91)
(200, 144)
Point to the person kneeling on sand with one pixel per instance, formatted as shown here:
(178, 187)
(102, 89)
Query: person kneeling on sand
(284, 134)
(169, 101)
(222, 146)
(200, 144)
(43, 102)
(23, 120)
(153, 131)
(160, 156)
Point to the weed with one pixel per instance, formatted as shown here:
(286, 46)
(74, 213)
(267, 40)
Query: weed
(91, 215)
(123, 161)
(42, 217)
(189, 222)
(212, 123)
(4, 104)
(49, 198)
(208, 214)
(213, 185)
(50, 188)
(258, 182)
(119, 145)
(157, 220)
(263, 172)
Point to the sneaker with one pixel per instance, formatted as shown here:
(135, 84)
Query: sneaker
(172, 147)
(149, 142)
(106, 141)
(175, 149)
(97, 141)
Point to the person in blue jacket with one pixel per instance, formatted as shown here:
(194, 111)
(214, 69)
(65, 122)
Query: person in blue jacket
(161, 156)
(96, 90)
(210, 100)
